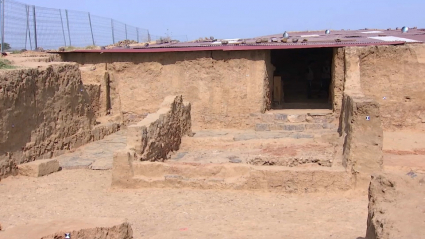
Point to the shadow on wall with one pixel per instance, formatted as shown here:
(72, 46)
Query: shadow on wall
(166, 58)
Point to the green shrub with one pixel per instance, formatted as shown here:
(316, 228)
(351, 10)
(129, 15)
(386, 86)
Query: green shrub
(6, 64)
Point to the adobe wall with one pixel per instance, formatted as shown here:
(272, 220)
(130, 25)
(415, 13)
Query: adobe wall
(338, 79)
(394, 77)
(153, 138)
(225, 87)
(44, 112)
(360, 124)
(396, 208)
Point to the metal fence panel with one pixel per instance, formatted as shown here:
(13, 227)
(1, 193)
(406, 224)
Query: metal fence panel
(29, 27)
(15, 25)
(48, 25)
(102, 30)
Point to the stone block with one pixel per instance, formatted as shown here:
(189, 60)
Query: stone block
(269, 118)
(281, 117)
(297, 118)
(122, 168)
(262, 127)
(315, 126)
(301, 136)
(294, 127)
(39, 168)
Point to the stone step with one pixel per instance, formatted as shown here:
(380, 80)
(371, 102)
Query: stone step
(294, 155)
(278, 117)
(298, 127)
(230, 176)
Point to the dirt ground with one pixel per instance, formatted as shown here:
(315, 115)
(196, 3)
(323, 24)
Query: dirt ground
(404, 151)
(168, 213)
(171, 213)
(31, 59)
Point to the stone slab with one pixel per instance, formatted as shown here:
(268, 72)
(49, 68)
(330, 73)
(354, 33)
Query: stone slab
(101, 164)
(262, 127)
(297, 118)
(97, 155)
(281, 117)
(294, 127)
(39, 168)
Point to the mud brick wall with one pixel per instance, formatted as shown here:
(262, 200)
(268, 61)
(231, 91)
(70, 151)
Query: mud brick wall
(43, 113)
(396, 208)
(360, 124)
(394, 77)
(224, 87)
(160, 133)
(363, 136)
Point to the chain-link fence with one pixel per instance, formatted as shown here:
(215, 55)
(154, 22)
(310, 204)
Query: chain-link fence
(31, 27)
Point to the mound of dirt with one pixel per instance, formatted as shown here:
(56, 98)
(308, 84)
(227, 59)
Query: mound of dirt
(396, 206)
(124, 43)
(87, 228)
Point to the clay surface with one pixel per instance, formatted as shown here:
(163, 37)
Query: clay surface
(183, 213)
(88, 228)
(396, 208)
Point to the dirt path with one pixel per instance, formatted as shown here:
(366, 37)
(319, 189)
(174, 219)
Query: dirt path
(167, 213)
(96, 155)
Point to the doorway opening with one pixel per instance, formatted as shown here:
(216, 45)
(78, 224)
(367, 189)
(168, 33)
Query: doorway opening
(302, 78)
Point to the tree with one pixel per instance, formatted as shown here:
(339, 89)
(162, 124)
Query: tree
(6, 46)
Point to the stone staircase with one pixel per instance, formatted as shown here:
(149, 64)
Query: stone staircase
(293, 151)
(295, 121)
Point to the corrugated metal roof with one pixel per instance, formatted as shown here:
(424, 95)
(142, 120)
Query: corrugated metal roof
(306, 39)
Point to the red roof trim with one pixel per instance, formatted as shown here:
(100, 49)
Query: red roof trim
(236, 47)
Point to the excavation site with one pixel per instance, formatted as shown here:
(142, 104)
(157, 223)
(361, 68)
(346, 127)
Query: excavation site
(322, 137)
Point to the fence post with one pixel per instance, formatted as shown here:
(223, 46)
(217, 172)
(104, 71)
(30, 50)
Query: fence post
(113, 35)
(63, 30)
(35, 27)
(28, 27)
(91, 30)
(2, 25)
(149, 37)
(126, 37)
(137, 32)
(67, 23)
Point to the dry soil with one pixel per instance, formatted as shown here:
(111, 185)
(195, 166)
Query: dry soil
(168, 213)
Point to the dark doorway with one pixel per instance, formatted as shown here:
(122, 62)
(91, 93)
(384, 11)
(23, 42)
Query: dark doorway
(302, 78)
